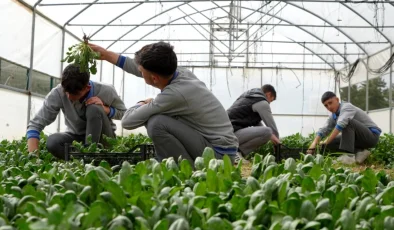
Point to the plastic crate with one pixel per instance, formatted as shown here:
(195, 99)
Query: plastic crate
(135, 155)
(284, 152)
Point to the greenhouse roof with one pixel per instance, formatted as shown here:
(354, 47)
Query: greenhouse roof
(315, 34)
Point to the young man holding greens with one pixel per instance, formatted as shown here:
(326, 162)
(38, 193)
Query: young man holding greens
(88, 107)
(348, 128)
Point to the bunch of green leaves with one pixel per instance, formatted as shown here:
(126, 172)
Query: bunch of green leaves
(296, 141)
(383, 153)
(82, 55)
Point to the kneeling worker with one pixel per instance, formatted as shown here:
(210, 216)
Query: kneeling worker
(246, 115)
(88, 108)
(352, 130)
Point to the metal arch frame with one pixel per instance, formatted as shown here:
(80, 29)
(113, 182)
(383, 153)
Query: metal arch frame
(323, 42)
(222, 23)
(326, 21)
(169, 9)
(328, 63)
(172, 1)
(120, 15)
(364, 19)
(167, 24)
(254, 11)
(306, 31)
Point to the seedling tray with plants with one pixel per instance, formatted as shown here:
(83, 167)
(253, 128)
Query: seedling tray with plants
(139, 153)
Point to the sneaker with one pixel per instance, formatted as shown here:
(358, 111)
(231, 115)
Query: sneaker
(347, 159)
(237, 158)
(362, 156)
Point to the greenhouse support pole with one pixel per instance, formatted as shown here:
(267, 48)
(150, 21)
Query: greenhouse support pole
(29, 78)
(123, 83)
(348, 92)
(101, 71)
(261, 77)
(211, 58)
(390, 93)
(61, 69)
(247, 47)
(113, 75)
(367, 90)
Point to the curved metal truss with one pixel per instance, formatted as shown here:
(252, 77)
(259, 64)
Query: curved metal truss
(329, 56)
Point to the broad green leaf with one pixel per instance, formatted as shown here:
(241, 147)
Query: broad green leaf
(199, 163)
(290, 165)
(315, 172)
(282, 192)
(269, 172)
(386, 211)
(308, 185)
(214, 223)
(186, 168)
(307, 210)
(213, 165)
(361, 208)
(257, 159)
(323, 217)
(161, 225)
(292, 207)
(117, 193)
(212, 182)
(120, 222)
(323, 206)
(369, 181)
(388, 196)
(251, 185)
(319, 160)
(208, 155)
(200, 188)
(228, 166)
(256, 170)
(312, 225)
(347, 220)
(389, 222)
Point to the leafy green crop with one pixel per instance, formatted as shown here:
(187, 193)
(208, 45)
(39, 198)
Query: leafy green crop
(40, 193)
(82, 55)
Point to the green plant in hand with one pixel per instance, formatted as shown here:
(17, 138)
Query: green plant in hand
(82, 55)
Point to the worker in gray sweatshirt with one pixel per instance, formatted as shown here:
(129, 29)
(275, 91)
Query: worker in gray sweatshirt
(246, 115)
(185, 117)
(88, 107)
(352, 130)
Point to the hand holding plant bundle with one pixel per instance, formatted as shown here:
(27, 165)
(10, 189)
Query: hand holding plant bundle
(83, 55)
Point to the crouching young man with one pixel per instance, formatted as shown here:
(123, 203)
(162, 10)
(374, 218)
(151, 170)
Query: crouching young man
(185, 117)
(88, 109)
(246, 115)
(352, 130)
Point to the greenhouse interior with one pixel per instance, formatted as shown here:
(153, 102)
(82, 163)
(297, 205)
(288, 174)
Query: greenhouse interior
(303, 48)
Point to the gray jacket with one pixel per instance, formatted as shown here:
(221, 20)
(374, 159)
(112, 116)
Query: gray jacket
(74, 112)
(341, 119)
(188, 99)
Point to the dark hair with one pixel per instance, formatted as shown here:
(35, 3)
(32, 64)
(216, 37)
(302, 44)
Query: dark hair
(269, 89)
(158, 57)
(73, 81)
(326, 96)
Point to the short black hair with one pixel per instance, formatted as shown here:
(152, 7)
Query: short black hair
(326, 96)
(269, 89)
(73, 80)
(158, 57)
